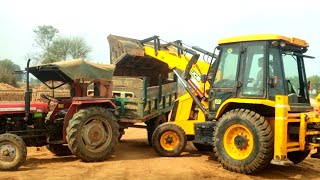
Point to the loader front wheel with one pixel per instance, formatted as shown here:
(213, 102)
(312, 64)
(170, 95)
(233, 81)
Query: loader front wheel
(169, 140)
(153, 124)
(13, 152)
(243, 141)
(298, 156)
(92, 134)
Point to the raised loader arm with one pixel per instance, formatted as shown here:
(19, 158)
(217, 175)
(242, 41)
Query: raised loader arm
(150, 52)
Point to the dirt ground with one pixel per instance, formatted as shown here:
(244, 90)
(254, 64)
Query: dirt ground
(135, 159)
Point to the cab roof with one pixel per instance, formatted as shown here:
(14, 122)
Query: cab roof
(264, 37)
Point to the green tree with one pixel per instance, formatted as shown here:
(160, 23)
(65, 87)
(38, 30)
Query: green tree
(315, 83)
(65, 48)
(44, 36)
(79, 47)
(7, 67)
(58, 51)
(56, 48)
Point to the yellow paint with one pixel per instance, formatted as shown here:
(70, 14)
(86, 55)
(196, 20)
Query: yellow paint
(302, 132)
(261, 37)
(174, 61)
(169, 140)
(281, 124)
(229, 142)
(227, 102)
(187, 126)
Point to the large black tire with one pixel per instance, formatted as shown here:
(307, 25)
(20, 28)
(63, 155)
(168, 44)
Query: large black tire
(169, 140)
(203, 147)
(59, 149)
(243, 141)
(298, 156)
(92, 134)
(153, 124)
(13, 152)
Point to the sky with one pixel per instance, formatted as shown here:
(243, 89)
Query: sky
(196, 22)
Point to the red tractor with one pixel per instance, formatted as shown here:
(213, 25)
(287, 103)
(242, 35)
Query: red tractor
(81, 125)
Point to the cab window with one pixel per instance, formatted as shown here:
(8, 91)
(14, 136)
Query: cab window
(227, 72)
(254, 81)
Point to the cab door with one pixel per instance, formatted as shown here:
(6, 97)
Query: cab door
(224, 84)
(253, 77)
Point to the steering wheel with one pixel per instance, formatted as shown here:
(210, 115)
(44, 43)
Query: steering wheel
(49, 98)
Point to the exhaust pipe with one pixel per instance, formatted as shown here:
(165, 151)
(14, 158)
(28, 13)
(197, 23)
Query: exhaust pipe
(27, 92)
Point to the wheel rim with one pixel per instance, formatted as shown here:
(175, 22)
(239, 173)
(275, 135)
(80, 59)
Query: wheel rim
(169, 140)
(96, 134)
(7, 152)
(238, 142)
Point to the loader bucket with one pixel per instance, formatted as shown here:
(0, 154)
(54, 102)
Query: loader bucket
(122, 48)
(129, 59)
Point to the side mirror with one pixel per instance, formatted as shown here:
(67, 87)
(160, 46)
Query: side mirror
(204, 78)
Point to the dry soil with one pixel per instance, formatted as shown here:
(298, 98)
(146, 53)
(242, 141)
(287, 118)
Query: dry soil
(135, 159)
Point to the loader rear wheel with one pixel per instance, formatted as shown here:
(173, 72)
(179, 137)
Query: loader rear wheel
(243, 141)
(13, 152)
(203, 147)
(169, 140)
(153, 124)
(92, 134)
(59, 149)
(298, 156)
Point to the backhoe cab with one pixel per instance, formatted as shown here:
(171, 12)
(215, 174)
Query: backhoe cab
(249, 103)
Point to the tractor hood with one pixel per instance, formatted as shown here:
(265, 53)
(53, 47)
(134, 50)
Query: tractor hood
(71, 70)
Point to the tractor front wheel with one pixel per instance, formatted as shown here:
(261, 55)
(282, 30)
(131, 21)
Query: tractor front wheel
(92, 134)
(243, 141)
(169, 140)
(13, 152)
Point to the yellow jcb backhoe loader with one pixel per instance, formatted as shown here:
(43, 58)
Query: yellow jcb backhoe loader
(250, 102)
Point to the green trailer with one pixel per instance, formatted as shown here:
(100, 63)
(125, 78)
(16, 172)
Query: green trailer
(144, 89)
(140, 105)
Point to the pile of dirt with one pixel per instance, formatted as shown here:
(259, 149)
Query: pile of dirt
(4, 86)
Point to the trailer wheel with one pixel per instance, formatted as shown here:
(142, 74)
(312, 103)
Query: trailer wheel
(92, 134)
(243, 141)
(59, 149)
(169, 140)
(153, 124)
(203, 147)
(13, 152)
(298, 156)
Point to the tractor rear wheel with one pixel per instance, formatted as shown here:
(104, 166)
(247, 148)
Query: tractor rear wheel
(59, 149)
(169, 140)
(298, 156)
(203, 147)
(243, 141)
(13, 152)
(92, 134)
